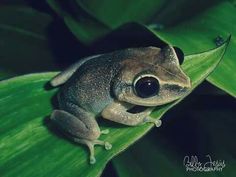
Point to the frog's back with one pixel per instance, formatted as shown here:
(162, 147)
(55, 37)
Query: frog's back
(90, 85)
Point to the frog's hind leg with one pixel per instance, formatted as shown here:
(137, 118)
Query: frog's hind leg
(81, 128)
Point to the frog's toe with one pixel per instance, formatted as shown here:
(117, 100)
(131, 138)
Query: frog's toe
(107, 145)
(158, 123)
(92, 160)
(104, 132)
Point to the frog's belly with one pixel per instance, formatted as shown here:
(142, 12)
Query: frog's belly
(96, 106)
(94, 101)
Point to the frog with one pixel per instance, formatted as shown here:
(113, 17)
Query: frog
(109, 85)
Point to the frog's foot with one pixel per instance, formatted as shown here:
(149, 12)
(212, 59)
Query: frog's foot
(157, 122)
(104, 132)
(107, 145)
(90, 144)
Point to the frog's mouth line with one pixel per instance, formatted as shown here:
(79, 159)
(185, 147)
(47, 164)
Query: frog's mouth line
(137, 109)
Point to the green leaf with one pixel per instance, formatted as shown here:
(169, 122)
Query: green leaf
(117, 12)
(24, 46)
(175, 12)
(86, 28)
(30, 147)
(201, 32)
(90, 20)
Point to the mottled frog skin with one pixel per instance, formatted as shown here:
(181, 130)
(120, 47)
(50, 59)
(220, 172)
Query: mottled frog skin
(108, 85)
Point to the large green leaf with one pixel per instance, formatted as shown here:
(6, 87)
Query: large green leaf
(31, 147)
(201, 32)
(24, 46)
(90, 20)
(117, 12)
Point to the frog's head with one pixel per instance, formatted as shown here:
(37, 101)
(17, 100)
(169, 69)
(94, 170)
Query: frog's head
(151, 76)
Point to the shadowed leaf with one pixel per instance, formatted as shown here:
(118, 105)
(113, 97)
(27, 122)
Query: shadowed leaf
(24, 46)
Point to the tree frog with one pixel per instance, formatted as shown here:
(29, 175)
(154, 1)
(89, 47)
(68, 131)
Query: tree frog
(109, 85)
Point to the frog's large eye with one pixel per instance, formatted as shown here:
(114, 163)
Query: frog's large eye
(147, 86)
(180, 54)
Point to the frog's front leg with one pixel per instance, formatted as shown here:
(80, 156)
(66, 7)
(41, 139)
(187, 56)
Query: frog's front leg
(81, 128)
(117, 112)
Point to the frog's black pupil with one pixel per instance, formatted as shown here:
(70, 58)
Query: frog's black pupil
(147, 87)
